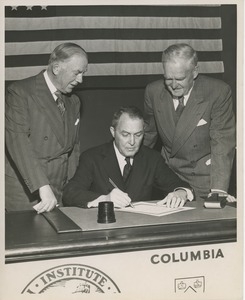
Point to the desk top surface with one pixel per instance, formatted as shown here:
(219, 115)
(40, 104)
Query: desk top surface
(87, 219)
(30, 237)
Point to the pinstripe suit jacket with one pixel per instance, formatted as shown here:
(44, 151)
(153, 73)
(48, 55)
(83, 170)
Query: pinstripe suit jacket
(41, 147)
(200, 148)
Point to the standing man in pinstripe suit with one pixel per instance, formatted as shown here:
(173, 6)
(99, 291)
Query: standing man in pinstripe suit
(42, 140)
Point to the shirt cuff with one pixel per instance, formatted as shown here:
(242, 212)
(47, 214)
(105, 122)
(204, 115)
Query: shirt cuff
(218, 191)
(96, 201)
(190, 195)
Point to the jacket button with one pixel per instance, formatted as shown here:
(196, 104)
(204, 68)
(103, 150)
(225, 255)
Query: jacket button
(194, 146)
(45, 138)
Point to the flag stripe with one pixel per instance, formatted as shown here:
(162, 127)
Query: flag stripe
(102, 57)
(109, 34)
(112, 22)
(111, 45)
(109, 69)
(116, 10)
(129, 81)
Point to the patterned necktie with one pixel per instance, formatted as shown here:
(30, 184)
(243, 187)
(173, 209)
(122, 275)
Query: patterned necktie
(179, 108)
(127, 168)
(60, 102)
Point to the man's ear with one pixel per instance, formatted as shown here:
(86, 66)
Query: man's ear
(112, 130)
(56, 68)
(195, 72)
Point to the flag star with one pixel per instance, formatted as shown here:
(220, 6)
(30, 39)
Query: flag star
(14, 7)
(29, 8)
(43, 7)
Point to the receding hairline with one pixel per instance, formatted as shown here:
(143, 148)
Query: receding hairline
(131, 111)
(66, 51)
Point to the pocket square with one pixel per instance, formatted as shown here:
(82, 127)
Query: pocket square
(208, 162)
(77, 121)
(201, 122)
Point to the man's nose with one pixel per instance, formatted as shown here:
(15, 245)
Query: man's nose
(132, 140)
(174, 84)
(79, 78)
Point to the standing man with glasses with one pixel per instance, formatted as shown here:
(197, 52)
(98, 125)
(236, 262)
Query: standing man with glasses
(42, 131)
(192, 115)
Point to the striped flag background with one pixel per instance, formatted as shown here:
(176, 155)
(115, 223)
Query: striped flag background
(124, 43)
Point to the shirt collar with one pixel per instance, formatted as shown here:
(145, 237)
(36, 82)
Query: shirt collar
(121, 158)
(51, 87)
(186, 97)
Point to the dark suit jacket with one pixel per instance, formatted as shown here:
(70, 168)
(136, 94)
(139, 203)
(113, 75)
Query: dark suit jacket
(41, 148)
(98, 164)
(200, 148)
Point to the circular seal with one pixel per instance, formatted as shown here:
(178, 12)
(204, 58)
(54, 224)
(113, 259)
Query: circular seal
(71, 279)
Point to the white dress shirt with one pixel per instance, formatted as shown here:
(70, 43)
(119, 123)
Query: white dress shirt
(186, 97)
(121, 159)
(122, 163)
(50, 85)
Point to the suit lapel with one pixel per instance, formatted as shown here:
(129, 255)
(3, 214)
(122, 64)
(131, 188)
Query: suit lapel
(137, 171)
(189, 119)
(70, 119)
(44, 98)
(166, 115)
(112, 167)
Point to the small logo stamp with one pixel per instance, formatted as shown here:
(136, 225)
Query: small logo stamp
(190, 285)
(71, 279)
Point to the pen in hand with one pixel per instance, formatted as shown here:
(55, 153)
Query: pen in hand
(115, 186)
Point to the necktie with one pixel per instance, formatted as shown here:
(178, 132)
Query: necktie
(179, 108)
(126, 169)
(60, 102)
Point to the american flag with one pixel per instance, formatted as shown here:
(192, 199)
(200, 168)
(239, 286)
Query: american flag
(124, 42)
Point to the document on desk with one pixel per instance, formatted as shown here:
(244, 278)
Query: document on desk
(149, 208)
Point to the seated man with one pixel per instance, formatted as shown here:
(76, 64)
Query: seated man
(100, 175)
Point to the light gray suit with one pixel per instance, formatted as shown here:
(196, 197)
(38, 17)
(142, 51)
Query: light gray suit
(41, 147)
(200, 148)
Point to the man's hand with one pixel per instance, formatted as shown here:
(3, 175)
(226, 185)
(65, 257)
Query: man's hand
(174, 199)
(48, 199)
(229, 198)
(118, 197)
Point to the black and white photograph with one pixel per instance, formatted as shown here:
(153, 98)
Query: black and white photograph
(123, 150)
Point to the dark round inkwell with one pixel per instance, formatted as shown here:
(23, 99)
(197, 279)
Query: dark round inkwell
(106, 212)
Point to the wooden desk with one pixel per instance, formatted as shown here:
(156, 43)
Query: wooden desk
(30, 237)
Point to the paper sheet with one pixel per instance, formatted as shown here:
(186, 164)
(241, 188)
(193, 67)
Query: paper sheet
(152, 209)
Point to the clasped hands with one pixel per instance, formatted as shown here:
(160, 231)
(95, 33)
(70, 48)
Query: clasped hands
(120, 199)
